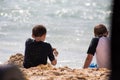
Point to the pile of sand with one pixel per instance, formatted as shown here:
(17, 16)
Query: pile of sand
(48, 72)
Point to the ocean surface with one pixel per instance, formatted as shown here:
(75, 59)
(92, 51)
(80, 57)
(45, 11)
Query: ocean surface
(69, 26)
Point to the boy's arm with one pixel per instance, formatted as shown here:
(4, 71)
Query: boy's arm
(88, 60)
(55, 53)
(27, 60)
(90, 52)
(52, 55)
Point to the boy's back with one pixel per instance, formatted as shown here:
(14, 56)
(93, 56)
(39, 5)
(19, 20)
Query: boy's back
(103, 51)
(36, 50)
(36, 53)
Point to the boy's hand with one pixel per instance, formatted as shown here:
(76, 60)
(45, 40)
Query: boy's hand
(55, 52)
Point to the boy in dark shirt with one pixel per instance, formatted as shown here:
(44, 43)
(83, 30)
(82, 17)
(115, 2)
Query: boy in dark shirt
(37, 51)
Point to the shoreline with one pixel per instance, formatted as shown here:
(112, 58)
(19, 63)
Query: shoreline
(49, 72)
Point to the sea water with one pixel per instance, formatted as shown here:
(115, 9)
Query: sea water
(69, 26)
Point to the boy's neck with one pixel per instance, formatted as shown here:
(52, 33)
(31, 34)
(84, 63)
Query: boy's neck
(38, 39)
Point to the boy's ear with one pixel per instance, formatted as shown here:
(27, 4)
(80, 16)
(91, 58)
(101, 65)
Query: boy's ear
(105, 34)
(33, 36)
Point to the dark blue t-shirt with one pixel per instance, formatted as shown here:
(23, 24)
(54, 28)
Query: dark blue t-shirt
(37, 53)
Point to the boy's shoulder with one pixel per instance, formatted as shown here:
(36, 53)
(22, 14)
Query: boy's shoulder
(95, 39)
(46, 43)
(29, 40)
(105, 39)
(32, 41)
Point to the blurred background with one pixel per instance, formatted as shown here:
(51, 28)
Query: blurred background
(69, 24)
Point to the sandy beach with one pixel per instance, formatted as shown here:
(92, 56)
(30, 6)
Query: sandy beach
(49, 72)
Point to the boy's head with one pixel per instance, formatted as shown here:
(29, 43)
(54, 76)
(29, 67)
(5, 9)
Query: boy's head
(100, 30)
(38, 31)
(11, 72)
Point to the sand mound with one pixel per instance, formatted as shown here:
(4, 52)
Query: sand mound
(49, 72)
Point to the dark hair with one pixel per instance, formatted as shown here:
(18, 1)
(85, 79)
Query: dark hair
(38, 30)
(11, 72)
(100, 30)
